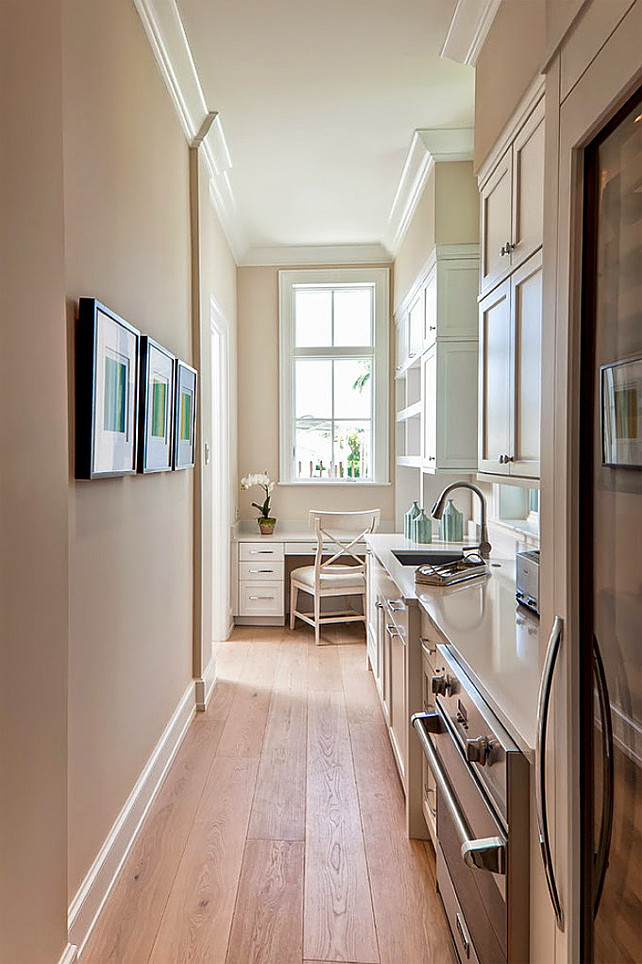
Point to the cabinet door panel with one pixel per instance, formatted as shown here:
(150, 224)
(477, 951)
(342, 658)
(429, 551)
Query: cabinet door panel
(496, 223)
(416, 326)
(528, 187)
(402, 343)
(398, 716)
(456, 413)
(495, 380)
(429, 415)
(430, 312)
(526, 298)
(458, 287)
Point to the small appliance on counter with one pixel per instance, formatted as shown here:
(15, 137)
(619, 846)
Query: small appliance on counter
(527, 579)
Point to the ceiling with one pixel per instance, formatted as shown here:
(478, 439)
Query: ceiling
(318, 104)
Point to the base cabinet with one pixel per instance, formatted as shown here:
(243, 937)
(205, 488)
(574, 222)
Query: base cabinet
(394, 655)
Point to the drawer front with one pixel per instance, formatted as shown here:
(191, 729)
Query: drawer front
(253, 551)
(261, 570)
(261, 598)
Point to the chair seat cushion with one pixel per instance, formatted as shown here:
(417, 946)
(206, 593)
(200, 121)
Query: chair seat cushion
(342, 580)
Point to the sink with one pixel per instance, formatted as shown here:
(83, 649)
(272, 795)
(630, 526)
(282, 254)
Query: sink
(419, 557)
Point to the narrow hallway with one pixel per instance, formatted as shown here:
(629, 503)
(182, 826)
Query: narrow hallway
(278, 835)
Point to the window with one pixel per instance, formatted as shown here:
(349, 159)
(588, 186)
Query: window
(334, 375)
(518, 508)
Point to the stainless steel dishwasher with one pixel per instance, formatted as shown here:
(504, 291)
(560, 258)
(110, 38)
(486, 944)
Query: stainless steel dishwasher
(482, 820)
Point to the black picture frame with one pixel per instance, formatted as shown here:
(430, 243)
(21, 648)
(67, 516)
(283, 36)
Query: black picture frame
(156, 407)
(185, 405)
(621, 413)
(107, 379)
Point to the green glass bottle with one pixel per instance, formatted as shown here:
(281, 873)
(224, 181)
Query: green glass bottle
(411, 514)
(422, 528)
(451, 524)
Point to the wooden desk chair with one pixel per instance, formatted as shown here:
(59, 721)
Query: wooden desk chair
(329, 578)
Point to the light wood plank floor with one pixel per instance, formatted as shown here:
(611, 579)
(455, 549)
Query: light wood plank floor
(278, 835)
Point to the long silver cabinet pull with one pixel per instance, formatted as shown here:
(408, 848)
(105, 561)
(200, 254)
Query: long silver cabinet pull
(543, 708)
(483, 853)
(608, 777)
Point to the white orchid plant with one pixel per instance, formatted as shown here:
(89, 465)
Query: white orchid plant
(262, 479)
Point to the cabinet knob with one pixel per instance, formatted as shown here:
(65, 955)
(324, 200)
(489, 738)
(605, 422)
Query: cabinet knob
(501, 459)
(443, 685)
(477, 751)
(432, 327)
(509, 458)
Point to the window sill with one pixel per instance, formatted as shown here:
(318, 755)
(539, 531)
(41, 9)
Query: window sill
(333, 483)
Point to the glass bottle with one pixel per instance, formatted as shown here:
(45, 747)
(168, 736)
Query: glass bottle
(411, 514)
(422, 528)
(451, 524)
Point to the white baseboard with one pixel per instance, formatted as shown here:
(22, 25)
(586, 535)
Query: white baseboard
(69, 955)
(204, 687)
(94, 890)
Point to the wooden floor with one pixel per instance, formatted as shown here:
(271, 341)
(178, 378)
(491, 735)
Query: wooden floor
(278, 835)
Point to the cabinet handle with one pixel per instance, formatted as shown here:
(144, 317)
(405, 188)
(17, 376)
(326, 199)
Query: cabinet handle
(608, 768)
(378, 605)
(543, 706)
(261, 552)
(427, 645)
(257, 571)
(396, 605)
(254, 598)
(412, 354)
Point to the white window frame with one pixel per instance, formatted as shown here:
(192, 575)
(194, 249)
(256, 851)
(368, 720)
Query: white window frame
(336, 277)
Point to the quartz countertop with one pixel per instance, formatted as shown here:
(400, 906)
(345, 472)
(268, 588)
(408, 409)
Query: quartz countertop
(494, 640)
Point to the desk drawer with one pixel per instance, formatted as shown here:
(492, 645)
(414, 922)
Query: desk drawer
(261, 598)
(260, 551)
(263, 569)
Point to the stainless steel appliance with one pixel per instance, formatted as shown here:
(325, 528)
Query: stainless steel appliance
(482, 848)
(527, 579)
(610, 549)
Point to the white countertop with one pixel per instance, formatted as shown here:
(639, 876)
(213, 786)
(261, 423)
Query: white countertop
(494, 640)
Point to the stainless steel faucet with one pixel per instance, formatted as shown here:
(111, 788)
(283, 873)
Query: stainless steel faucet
(438, 510)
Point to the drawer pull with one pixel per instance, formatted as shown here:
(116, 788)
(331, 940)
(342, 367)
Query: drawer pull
(253, 598)
(257, 571)
(262, 552)
(426, 644)
(396, 605)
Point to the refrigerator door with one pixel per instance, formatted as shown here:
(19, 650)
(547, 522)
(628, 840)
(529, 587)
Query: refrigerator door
(611, 550)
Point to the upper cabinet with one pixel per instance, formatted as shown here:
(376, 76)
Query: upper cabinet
(510, 374)
(512, 202)
(436, 372)
(510, 305)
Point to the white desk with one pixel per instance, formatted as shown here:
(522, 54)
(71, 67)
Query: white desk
(262, 573)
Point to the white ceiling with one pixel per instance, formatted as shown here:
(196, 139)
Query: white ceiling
(318, 103)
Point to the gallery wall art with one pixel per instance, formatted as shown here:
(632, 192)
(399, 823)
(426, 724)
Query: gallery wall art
(184, 416)
(107, 351)
(156, 407)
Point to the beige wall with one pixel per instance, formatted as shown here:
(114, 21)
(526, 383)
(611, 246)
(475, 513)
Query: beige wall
(258, 411)
(456, 203)
(127, 242)
(418, 242)
(33, 490)
(509, 61)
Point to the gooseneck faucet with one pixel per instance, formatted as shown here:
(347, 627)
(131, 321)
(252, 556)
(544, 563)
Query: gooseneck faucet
(438, 510)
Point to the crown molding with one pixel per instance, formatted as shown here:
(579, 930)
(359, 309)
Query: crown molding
(428, 147)
(468, 30)
(284, 255)
(166, 34)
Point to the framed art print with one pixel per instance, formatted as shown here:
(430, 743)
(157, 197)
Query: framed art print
(621, 390)
(156, 407)
(184, 416)
(106, 392)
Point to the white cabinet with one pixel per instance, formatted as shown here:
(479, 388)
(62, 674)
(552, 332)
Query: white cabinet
(449, 390)
(512, 202)
(436, 392)
(509, 374)
(261, 582)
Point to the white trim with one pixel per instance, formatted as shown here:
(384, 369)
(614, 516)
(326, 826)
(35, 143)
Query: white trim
(69, 955)
(95, 888)
(468, 30)
(162, 23)
(428, 146)
(380, 277)
(204, 686)
(284, 255)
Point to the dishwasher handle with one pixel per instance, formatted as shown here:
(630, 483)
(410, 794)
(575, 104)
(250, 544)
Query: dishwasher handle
(481, 853)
